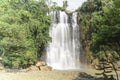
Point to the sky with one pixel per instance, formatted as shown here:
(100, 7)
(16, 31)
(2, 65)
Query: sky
(72, 4)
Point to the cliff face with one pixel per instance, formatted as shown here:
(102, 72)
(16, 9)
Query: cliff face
(85, 37)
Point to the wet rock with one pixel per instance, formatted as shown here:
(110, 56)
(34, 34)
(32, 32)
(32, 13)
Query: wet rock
(84, 75)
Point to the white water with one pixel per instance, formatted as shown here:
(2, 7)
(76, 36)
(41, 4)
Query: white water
(64, 50)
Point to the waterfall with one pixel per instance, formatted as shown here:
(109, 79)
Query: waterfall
(64, 50)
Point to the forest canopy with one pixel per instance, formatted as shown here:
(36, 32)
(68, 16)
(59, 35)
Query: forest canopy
(24, 27)
(100, 24)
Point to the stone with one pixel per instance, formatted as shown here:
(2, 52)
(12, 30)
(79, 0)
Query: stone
(85, 75)
(33, 68)
(40, 63)
(45, 68)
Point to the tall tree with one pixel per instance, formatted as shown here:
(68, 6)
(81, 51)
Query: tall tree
(24, 26)
(100, 21)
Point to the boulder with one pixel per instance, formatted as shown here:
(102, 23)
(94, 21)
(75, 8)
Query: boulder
(33, 68)
(40, 63)
(45, 68)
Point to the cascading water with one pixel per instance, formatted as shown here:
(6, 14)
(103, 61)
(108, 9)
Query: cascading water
(64, 50)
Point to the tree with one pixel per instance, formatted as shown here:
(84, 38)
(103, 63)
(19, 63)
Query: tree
(24, 26)
(101, 29)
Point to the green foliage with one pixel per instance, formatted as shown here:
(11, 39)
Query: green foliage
(90, 18)
(57, 8)
(91, 6)
(108, 32)
(54, 7)
(100, 21)
(24, 26)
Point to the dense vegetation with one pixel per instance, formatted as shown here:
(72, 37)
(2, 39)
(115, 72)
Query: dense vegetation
(100, 21)
(100, 26)
(24, 26)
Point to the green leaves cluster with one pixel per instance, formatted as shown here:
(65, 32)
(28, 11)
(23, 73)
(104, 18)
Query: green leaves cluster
(107, 35)
(100, 21)
(24, 26)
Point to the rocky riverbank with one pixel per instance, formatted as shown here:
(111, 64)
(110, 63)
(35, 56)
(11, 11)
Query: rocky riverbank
(47, 75)
(41, 71)
(86, 74)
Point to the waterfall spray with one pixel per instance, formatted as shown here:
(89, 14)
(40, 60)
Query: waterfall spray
(64, 50)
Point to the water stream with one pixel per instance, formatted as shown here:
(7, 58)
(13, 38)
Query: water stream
(64, 50)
